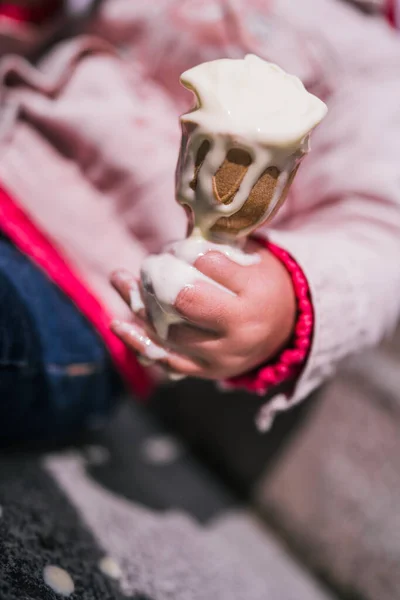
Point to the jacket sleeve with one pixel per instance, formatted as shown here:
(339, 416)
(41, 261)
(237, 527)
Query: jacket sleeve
(343, 223)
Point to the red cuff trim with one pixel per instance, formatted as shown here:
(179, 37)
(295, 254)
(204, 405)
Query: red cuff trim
(290, 362)
(30, 14)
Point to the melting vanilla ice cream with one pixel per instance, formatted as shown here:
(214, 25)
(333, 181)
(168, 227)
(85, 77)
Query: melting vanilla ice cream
(247, 104)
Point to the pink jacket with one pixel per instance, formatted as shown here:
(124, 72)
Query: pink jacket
(89, 141)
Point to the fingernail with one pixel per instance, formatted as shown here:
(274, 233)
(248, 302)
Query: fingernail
(121, 327)
(136, 301)
(151, 350)
(129, 328)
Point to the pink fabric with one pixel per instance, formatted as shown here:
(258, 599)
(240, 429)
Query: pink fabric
(291, 360)
(89, 140)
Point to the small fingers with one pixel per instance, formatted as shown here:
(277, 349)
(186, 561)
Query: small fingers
(226, 272)
(128, 287)
(123, 281)
(192, 340)
(174, 376)
(137, 340)
(206, 306)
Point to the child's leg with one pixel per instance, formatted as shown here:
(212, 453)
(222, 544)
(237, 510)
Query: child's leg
(55, 374)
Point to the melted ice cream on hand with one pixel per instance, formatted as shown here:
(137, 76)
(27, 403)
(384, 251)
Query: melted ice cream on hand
(247, 104)
(163, 277)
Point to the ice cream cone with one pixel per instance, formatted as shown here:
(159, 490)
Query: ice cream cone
(242, 143)
(261, 204)
(241, 146)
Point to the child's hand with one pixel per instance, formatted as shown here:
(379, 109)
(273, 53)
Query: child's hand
(224, 335)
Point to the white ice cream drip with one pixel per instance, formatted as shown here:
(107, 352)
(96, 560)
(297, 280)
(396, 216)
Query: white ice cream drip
(249, 104)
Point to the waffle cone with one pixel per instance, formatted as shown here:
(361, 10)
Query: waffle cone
(226, 183)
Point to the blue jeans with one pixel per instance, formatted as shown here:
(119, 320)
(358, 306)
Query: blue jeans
(55, 374)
